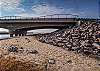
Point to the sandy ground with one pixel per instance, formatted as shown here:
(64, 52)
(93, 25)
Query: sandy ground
(62, 60)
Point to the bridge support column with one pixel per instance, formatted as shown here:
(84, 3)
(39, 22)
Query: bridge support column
(11, 32)
(20, 32)
(16, 34)
(23, 33)
(11, 35)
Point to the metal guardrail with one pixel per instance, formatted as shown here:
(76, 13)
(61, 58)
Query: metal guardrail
(47, 16)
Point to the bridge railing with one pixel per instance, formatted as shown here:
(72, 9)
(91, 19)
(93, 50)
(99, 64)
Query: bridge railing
(56, 16)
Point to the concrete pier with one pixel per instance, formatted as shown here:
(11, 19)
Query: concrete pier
(18, 33)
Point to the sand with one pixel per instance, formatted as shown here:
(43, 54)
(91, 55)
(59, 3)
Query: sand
(25, 60)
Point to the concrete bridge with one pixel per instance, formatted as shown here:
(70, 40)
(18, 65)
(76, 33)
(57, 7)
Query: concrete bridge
(18, 26)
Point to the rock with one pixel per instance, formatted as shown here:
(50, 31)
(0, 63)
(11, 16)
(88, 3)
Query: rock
(75, 48)
(98, 52)
(28, 40)
(21, 50)
(0, 55)
(98, 64)
(51, 61)
(80, 39)
(13, 48)
(69, 61)
(33, 52)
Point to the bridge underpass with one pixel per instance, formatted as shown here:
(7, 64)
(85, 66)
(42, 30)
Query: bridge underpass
(23, 28)
(23, 31)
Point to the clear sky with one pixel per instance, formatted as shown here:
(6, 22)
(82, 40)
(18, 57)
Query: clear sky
(83, 8)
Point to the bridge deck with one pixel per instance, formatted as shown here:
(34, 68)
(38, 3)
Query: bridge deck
(46, 20)
(39, 20)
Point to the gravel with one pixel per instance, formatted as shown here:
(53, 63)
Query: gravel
(49, 57)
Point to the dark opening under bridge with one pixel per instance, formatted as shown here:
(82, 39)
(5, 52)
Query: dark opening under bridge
(19, 26)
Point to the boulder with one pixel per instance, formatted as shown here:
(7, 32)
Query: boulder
(13, 48)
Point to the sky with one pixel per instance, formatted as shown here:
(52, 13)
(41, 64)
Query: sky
(34, 8)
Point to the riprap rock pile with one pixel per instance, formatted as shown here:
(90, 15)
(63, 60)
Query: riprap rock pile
(80, 39)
